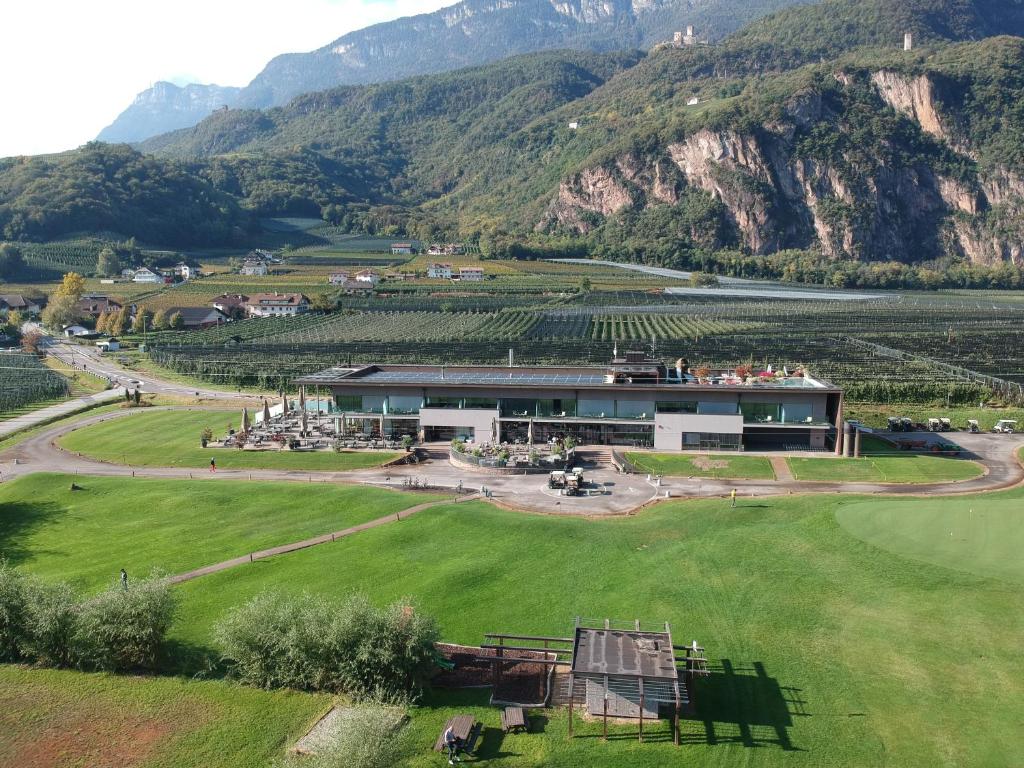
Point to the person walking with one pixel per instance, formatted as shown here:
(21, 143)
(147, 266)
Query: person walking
(124, 579)
(213, 465)
(452, 742)
(733, 494)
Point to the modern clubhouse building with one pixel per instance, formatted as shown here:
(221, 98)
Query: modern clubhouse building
(634, 401)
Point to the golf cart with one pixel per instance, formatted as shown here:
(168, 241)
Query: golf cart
(1005, 427)
(972, 426)
(557, 480)
(946, 425)
(934, 425)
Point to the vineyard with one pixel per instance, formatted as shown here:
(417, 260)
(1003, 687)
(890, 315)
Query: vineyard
(54, 259)
(24, 379)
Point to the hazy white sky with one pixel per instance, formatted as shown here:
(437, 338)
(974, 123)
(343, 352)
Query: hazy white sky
(69, 67)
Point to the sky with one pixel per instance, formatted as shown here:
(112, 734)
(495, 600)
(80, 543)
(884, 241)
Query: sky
(69, 67)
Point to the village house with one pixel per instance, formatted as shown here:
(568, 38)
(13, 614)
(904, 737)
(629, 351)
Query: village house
(128, 273)
(145, 275)
(186, 272)
(351, 287)
(446, 249)
(231, 304)
(471, 274)
(198, 318)
(403, 249)
(367, 276)
(338, 278)
(276, 305)
(94, 304)
(75, 330)
(440, 271)
(17, 303)
(253, 267)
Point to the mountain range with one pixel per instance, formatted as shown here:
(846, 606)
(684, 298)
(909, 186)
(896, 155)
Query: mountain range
(810, 130)
(468, 33)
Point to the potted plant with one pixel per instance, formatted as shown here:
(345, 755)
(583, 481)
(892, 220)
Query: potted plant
(206, 436)
(407, 442)
(702, 373)
(743, 371)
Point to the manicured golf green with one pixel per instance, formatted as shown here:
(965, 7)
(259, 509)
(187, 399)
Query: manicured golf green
(981, 536)
(171, 439)
(86, 536)
(63, 718)
(687, 465)
(914, 469)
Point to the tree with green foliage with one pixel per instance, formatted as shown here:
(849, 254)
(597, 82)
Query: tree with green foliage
(143, 320)
(107, 263)
(12, 262)
(62, 308)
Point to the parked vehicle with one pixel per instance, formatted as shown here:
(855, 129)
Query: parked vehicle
(934, 425)
(972, 426)
(947, 425)
(1005, 427)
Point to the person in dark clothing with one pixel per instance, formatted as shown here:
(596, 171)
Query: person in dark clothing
(213, 465)
(124, 579)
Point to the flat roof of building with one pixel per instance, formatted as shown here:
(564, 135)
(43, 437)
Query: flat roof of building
(539, 376)
(617, 652)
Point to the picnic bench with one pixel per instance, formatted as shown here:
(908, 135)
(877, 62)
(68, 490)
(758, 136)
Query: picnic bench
(466, 729)
(514, 718)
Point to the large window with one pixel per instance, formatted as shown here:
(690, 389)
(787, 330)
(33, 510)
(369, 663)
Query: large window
(444, 402)
(522, 408)
(634, 409)
(487, 403)
(717, 408)
(348, 403)
(761, 413)
(404, 404)
(711, 441)
(556, 408)
(373, 403)
(596, 409)
(671, 406)
(796, 413)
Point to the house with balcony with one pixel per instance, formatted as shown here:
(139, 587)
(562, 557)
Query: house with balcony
(276, 305)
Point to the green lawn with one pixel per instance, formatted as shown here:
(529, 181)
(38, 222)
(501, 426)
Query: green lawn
(688, 465)
(51, 718)
(87, 536)
(827, 650)
(912, 469)
(171, 439)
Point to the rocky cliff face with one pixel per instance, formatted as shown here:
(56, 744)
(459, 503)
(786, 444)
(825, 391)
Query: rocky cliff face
(166, 107)
(775, 197)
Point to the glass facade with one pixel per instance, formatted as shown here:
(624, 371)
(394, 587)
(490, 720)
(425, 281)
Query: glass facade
(443, 402)
(348, 403)
(711, 441)
(717, 408)
(404, 404)
(672, 406)
(761, 413)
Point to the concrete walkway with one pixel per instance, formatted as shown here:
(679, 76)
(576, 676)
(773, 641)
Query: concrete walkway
(58, 411)
(781, 468)
(618, 494)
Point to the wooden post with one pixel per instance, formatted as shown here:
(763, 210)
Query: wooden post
(570, 704)
(641, 684)
(605, 723)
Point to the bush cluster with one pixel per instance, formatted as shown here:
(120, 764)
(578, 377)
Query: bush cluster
(313, 643)
(116, 630)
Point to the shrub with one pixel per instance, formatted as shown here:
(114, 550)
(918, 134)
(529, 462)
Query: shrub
(51, 617)
(368, 739)
(12, 612)
(125, 629)
(312, 643)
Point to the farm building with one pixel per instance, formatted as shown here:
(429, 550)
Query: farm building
(367, 276)
(471, 274)
(253, 267)
(440, 271)
(635, 401)
(403, 249)
(71, 331)
(19, 303)
(198, 318)
(338, 278)
(276, 304)
(231, 304)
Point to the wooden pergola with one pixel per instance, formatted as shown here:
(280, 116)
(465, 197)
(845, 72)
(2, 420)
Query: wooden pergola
(616, 669)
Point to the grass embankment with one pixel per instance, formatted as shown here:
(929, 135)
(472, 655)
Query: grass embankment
(825, 649)
(143, 363)
(171, 439)
(912, 470)
(688, 465)
(875, 415)
(82, 382)
(86, 536)
(51, 718)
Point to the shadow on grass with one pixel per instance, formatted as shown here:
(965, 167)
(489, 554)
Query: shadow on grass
(18, 520)
(741, 704)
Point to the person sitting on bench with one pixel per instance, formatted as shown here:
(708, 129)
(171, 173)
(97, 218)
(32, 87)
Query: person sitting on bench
(454, 744)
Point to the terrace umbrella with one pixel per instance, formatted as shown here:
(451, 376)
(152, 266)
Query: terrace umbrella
(266, 414)
(302, 399)
(529, 433)
(284, 405)
(494, 431)
(305, 427)
(344, 425)
(245, 420)
(382, 426)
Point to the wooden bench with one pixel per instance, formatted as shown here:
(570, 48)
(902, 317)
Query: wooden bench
(465, 728)
(514, 718)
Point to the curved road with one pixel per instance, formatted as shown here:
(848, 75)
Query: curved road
(625, 493)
